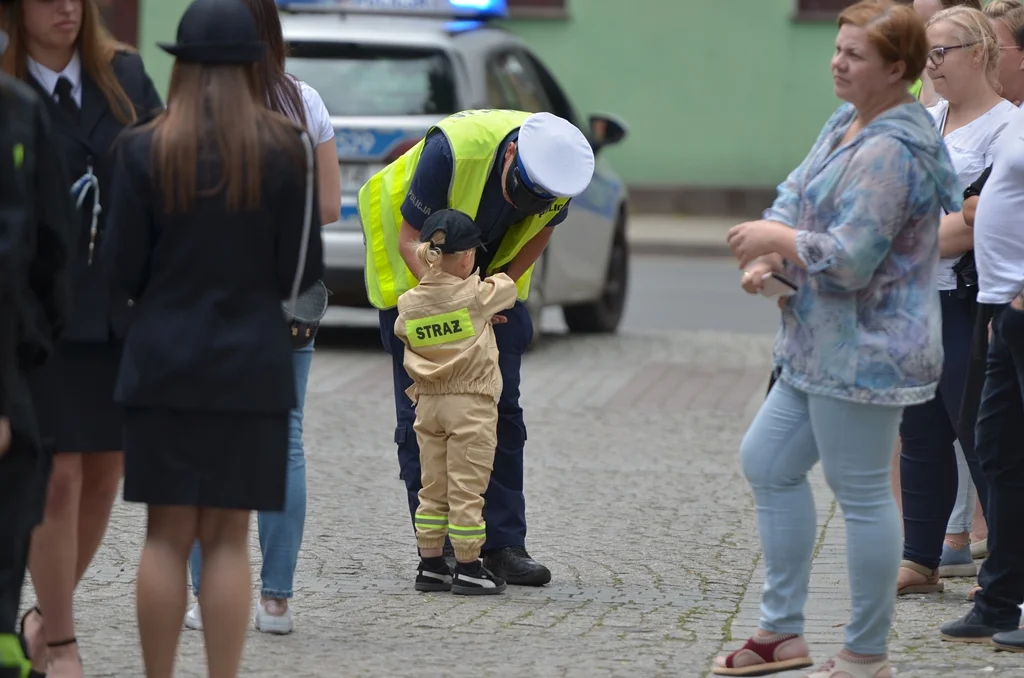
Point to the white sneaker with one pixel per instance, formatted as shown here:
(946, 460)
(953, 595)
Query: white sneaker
(268, 623)
(193, 619)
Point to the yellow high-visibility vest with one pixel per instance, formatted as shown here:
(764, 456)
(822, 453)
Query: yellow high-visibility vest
(474, 137)
(915, 89)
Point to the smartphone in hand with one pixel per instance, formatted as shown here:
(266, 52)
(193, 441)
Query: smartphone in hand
(775, 285)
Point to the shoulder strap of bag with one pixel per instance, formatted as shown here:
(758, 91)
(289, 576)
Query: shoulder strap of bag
(306, 222)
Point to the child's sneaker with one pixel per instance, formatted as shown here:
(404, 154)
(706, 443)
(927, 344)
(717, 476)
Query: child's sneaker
(194, 618)
(433, 575)
(473, 579)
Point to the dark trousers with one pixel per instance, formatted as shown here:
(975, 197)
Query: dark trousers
(928, 469)
(999, 440)
(976, 384)
(505, 507)
(24, 474)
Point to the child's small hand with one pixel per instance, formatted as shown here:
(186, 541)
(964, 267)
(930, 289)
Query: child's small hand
(498, 319)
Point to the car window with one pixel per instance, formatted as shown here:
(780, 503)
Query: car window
(560, 104)
(360, 79)
(510, 77)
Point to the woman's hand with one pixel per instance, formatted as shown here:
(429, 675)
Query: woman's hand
(753, 278)
(498, 319)
(753, 239)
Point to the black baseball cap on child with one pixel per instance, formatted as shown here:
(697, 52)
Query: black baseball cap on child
(460, 231)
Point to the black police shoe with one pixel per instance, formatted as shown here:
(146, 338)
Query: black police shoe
(433, 575)
(514, 565)
(970, 628)
(473, 579)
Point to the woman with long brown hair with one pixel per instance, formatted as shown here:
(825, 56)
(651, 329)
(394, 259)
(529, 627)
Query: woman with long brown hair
(216, 229)
(281, 532)
(94, 87)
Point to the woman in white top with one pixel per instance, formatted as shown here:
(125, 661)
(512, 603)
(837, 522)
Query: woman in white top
(971, 115)
(281, 533)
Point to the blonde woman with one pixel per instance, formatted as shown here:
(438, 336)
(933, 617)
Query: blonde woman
(970, 114)
(926, 9)
(1007, 19)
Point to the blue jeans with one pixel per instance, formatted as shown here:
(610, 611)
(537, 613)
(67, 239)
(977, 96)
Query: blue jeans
(280, 531)
(961, 520)
(930, 471)
(854, 442)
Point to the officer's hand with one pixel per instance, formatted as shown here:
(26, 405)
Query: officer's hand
(5, 435)
(498, 319)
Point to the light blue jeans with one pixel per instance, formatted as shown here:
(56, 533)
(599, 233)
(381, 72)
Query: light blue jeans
(854, 442)
(962, 518)
(280, 531)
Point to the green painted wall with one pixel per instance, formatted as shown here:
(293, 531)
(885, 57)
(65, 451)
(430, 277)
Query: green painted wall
(716, 92)
(158, 22)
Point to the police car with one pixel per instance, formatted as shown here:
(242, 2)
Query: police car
(389, 69)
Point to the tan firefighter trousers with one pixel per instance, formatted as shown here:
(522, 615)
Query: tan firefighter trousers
(457, 435)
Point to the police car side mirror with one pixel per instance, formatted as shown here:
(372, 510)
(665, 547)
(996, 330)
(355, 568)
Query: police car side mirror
(607, 129)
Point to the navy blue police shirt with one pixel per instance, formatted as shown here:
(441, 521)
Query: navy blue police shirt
(428, 192)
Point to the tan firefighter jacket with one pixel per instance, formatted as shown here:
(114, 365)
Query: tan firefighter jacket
(445, 323)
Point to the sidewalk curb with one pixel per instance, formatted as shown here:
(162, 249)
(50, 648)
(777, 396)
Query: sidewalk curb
(680, 249)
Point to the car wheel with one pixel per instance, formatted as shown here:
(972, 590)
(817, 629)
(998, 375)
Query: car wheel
(604, 314)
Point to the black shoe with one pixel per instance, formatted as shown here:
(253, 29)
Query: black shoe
(969, 629)
(473, 579)
(448, 553)
(514, 565)
(1011, 641)
(433, 575)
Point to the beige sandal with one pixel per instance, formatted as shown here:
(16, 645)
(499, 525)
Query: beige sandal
(932, 584)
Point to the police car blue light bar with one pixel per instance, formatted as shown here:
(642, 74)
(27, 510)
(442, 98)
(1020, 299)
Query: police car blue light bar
(442, 9)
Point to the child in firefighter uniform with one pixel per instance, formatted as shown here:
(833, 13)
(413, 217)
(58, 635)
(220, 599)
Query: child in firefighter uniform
(452, 357)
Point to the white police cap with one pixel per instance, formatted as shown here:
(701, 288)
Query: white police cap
(557, 157)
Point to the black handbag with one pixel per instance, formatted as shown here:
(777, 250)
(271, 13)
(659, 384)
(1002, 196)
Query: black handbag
(966, 277)
(965, 269)
(305, 311)
(305, 316)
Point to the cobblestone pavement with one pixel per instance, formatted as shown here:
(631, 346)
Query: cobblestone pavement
(635, 501)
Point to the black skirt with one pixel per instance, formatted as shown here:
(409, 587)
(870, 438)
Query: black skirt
(73, 395)
(230, 460)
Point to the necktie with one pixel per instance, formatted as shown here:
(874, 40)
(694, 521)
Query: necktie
(64, 98)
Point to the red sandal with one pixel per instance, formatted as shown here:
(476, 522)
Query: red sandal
(760, 658)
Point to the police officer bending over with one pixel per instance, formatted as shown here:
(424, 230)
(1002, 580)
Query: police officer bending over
(37, 222)
(513, 173)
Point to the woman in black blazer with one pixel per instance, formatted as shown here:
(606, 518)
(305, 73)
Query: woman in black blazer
(94, 88)
(209, 239)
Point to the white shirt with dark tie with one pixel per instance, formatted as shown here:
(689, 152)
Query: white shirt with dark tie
(48, 79)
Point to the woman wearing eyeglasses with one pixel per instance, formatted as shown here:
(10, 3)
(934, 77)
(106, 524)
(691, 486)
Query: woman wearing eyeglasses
(963, 64)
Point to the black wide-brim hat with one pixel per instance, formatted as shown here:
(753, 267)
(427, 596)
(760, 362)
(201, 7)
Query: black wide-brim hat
(217, 32)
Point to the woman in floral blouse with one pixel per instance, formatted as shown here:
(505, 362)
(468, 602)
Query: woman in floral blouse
(856, 227)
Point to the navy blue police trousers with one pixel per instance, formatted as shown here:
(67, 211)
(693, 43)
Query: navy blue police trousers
(505, 504)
